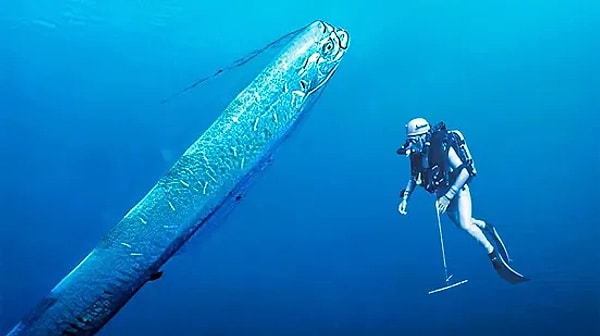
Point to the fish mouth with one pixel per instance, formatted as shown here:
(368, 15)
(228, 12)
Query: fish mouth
(343, 37)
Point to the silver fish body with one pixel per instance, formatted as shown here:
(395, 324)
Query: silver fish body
(203, 184)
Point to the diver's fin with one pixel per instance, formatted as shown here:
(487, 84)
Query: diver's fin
(489, 228)
(505, 271)
(156, 276)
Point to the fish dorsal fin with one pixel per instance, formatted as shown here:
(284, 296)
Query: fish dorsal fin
(237, 63)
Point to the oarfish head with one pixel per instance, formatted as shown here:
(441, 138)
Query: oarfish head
(323, 56)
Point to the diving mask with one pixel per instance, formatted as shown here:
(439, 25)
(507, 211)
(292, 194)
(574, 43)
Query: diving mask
(413, 144)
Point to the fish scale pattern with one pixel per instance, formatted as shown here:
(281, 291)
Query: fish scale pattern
(202, 184)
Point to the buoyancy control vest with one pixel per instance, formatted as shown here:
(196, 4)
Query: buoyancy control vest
(437, 174)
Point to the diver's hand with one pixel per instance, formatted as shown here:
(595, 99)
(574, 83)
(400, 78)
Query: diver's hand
(402, 207)
(442, 203)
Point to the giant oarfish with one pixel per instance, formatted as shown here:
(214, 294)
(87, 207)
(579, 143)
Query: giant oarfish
(204, 182)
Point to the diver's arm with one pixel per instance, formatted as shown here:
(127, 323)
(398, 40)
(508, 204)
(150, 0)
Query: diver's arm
(462, 177)
(410, 187)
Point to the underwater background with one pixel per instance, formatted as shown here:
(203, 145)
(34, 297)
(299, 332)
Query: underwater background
(317, 246)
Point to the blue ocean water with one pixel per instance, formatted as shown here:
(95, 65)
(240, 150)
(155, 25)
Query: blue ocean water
(317, 246)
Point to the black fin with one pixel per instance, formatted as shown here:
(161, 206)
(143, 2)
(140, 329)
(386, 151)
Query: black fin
(489, 228)
(156, 276)
(505, 271)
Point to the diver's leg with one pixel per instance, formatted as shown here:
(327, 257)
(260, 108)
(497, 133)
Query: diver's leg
(461, 214)
(491, 231)
(464, 219)
(480, 223)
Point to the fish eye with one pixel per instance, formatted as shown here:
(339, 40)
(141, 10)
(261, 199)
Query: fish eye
(328, 47)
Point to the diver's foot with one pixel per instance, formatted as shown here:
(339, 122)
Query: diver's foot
(505, 271)
(491, 230)
(495, 259)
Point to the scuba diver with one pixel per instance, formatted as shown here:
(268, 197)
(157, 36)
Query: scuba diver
(441, 163)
